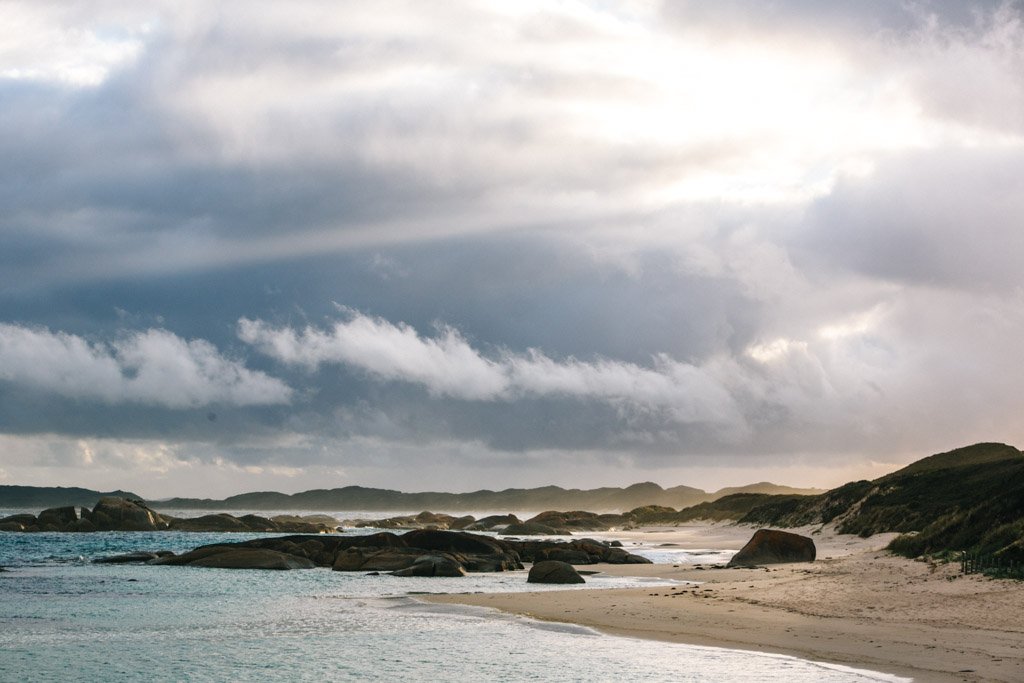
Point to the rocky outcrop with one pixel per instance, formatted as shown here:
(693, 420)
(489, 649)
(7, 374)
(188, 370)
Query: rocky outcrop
(552, 571)
(57, 519)
(424, 520)
(416, 553)
(433, 565)
(493, 522)
(218, 522)
(234, 557)
(578, 520)
(19, 523)
(422, 552)
(770, 546)
(122, 514)
(577, 551)
(375, 559)
(533, 529)
(141, 556)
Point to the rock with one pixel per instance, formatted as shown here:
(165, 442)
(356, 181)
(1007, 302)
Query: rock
(83, 525)
(141, 556)
(433, 565)
(257, 523)
(532, 529)
(650, 514)
(620, 556)
(235, 557)
(284, 521)
(215, 522)
(565, 555)
(424, 520)
(770, 546)
(432, 520)
(596, 551)
(552, 571)
(61, 518)
(292, 524)
(253, 558)
(120, 514)
(383, 551)
(21, 522)
(579, 520)
(375, 559)
(494, 522)
(462, 523)
(477, 553)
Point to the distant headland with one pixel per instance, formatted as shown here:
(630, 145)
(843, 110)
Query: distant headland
(373, 499)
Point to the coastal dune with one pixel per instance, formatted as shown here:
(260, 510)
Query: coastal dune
(857, 606)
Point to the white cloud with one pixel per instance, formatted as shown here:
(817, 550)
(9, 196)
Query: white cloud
(45, 42)
(154, 367)
(447, 365)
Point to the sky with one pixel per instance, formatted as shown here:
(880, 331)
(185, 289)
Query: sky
(255, 245)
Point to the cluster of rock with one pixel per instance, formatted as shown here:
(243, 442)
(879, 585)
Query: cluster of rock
(121, 514)
(551, 523)
(421, 552)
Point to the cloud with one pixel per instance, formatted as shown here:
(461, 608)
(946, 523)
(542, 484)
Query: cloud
(447, 365)
(947, 219)
(154, 367)
(245, 135)
(47, 43)
(652, 231)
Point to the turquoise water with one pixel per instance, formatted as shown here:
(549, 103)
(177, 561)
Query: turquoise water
(64, 618)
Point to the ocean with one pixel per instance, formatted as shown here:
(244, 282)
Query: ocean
(64, 618)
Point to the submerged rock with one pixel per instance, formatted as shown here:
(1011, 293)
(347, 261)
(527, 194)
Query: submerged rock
(771, 546)
(553, 571)
(141, 556)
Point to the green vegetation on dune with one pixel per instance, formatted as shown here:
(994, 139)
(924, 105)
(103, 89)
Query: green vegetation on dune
(969, 499)
(735, 506)
(790, 511)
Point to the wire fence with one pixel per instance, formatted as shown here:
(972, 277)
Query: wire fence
(991, 565)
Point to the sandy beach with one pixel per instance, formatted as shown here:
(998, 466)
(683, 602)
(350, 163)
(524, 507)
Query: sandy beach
(856, 605)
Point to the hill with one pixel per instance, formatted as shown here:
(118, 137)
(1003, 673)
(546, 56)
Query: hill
(970, 499)
(543, 498)
(42, 497)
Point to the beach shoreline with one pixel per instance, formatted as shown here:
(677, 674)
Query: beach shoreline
(856, 606)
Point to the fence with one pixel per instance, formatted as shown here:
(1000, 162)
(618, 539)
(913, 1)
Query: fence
(991, 565)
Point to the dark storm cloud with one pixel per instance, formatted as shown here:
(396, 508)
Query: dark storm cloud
(619, 235)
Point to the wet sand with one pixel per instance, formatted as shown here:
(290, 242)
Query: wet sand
(857, 605)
